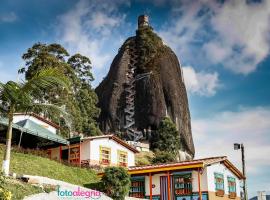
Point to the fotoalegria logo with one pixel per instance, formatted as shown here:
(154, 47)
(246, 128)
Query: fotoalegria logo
(79, 193)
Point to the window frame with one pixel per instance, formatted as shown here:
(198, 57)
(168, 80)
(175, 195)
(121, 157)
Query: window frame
(231, 179)
(221, 176)
(119, 162)
(101, 148)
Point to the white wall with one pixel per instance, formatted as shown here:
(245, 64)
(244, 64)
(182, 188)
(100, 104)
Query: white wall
(195, 183)
(18, 118)
(156, 181)
(220, 168)
(85, 150)
(114, 146)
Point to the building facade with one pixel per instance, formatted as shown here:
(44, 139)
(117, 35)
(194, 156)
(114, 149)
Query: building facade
(206, 179)
(104, 150)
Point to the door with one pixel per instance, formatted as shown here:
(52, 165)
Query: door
(164, 188)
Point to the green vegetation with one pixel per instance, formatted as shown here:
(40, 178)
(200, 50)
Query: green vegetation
(144, 158)
(81, 101)
(166, 143)
(39, 166)
(19, 190)
(21, 97)
(116, 182)
(163, 157)
(150, 45)
(14, 189)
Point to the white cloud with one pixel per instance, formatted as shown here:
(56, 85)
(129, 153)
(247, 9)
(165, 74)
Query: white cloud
(8, 17)
(247, 27)
(201, 83)
(93, 29)
(215, 136)
(234, 34)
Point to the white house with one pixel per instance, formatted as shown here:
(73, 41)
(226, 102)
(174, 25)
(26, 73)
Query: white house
(206, 179)
(47, 124)
(104, 150)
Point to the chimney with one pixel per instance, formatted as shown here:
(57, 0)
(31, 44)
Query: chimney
(143, 20)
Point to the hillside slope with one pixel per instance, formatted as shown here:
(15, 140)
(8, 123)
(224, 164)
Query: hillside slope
(35, 165)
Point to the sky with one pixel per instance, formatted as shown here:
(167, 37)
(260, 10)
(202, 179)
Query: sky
(223, 48)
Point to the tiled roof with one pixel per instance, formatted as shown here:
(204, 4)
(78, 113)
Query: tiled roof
(205, 162)
(113, 137)
(198, 163)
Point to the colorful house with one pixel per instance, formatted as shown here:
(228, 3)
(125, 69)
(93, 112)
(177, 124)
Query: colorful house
(207, 179)
(104, 150)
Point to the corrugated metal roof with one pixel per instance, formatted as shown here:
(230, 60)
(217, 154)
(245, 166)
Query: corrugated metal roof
(30, 127)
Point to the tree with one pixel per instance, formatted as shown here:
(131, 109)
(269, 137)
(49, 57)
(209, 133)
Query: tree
(81, 102)
(22, 97)
(167, 139)
(116, 182)
(163, 157)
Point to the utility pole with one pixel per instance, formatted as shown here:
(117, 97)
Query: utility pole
(237, 147)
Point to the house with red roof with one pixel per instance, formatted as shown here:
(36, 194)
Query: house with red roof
(213, 178)
(103, 150)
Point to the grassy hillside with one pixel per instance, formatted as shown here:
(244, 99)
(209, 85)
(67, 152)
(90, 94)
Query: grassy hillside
(19, 190)
(35, 165)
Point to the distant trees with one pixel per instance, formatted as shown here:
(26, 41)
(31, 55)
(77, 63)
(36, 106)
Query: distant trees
(116, 182)
(166, 143)
(21, 97)
(82, 99)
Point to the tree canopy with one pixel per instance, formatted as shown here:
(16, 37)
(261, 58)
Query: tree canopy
(166, 141)
(116, 182)
(81, 101)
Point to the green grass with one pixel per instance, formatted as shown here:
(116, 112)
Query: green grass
(19, 189)
(39, 166)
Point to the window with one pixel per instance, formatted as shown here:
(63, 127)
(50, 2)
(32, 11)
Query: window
(231, 187)
(122, 158)
(219, 182)
(182, 184)
(137, 188)
(105, 155)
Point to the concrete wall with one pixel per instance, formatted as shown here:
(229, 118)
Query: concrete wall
(18, 118)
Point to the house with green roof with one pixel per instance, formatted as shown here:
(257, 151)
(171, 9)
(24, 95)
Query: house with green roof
(32, 131)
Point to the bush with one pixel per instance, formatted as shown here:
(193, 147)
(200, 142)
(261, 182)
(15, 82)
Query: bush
(163, 157)
(144, 158)
(116, 182)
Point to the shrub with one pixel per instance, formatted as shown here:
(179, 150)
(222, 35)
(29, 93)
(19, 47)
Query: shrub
(144, 158)
(116, 182)
(163, 157)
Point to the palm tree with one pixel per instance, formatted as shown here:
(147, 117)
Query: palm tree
(21, 97)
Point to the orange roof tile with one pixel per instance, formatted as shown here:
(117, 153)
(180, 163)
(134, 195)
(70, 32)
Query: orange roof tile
(113, 137)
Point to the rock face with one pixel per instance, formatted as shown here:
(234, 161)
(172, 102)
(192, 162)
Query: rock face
(158, 89)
